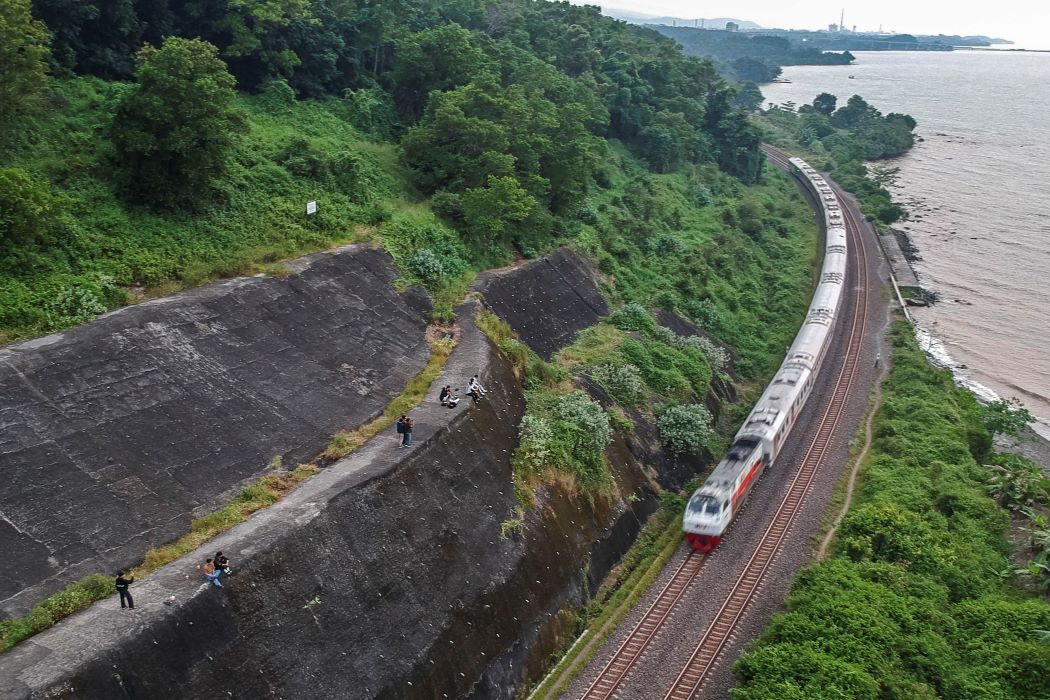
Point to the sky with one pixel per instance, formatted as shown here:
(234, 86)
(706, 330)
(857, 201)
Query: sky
(1026, 22)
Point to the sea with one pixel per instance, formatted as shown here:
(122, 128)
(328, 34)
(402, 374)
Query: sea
(977, 187)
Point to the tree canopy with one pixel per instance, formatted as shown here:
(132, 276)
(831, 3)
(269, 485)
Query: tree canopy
(23, 57)
(173, 131)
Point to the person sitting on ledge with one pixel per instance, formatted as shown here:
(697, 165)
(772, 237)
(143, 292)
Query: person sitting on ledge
(211, 574)
(448, 397)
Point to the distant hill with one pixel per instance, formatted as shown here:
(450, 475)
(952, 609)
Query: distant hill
(641, 18)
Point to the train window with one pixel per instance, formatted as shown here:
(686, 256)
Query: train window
(703, 504)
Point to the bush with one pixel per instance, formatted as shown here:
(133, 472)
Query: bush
(588, 215)
(633, 317)
(76, 305)
(29, 214)
(623, 382)
(425, 265)
(565, 432)
(685, 429)
(715, 354)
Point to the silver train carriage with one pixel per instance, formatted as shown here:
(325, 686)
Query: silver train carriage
(713, 506)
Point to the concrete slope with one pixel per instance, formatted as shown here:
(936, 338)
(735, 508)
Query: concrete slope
(546, 301)
(113, 434)
(343, 586)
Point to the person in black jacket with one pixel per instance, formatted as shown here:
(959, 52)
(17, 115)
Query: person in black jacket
(122, 588)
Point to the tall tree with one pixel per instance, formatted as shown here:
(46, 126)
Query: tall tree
(23, 57)
(825, 103)
(174, 132)
(96, 38)
(441, 58)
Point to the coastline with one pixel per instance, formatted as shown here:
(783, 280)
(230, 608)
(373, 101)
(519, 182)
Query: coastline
(973, 243)
(1036, 448)
(938, 355)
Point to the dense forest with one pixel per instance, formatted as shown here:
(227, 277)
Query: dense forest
(175, 141)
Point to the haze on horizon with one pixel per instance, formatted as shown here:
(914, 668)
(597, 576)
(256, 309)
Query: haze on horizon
(1025, 22)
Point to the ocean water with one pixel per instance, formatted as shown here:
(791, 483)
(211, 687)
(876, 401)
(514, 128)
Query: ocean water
(978, 189)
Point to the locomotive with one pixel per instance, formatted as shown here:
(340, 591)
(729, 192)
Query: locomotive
(756, 445)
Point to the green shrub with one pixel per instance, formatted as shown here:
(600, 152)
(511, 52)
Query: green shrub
(425, 265)
(623, 382)
(565, 432)
(716, 356)
(75, 305)
(685, 429)
(633, 317)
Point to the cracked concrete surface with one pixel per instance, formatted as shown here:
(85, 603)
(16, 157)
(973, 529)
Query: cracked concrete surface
(113, 435)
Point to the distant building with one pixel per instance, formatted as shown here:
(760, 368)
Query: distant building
(732, 26)
(833, 27)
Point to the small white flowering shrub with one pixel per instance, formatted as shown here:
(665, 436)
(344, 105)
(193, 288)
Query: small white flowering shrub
(685, 429)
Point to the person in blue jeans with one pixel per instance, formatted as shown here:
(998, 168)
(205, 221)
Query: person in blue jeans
(409, 424)
(211, 573)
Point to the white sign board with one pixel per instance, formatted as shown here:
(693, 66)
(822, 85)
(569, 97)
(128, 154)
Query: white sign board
(311, 207)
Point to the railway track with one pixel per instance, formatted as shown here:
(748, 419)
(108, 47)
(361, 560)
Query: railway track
(631, 650)
(747, 584)
(711, 644)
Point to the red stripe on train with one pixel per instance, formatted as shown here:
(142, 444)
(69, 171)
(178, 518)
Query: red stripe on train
(742, 490)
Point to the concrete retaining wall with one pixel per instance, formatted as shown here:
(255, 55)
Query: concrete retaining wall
(114, 433)
(546, 301)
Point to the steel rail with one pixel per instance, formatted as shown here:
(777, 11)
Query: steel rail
(638, 640)
(707, 651)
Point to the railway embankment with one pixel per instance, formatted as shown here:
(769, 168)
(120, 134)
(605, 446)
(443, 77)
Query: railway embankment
(393, 572)
(117, 433)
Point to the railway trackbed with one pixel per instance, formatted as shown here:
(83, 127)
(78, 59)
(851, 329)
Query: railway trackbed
(734, 605)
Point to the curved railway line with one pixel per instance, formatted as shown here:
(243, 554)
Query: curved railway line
(718, 633)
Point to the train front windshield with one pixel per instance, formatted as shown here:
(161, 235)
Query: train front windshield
(704, 505)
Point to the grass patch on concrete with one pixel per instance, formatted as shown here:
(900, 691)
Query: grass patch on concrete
(76, 596)
(80, 594)
(263, 493)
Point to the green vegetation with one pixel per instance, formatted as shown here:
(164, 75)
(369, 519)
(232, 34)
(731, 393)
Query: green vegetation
(66, 232)
(23, 60)
(685, 429)
(919, 599)
(76, 596)
(184, 83)
(733, 259)
(642, 366)
(840, 140)
(496, 118)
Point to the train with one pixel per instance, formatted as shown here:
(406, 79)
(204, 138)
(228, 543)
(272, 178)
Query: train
(756, 445)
